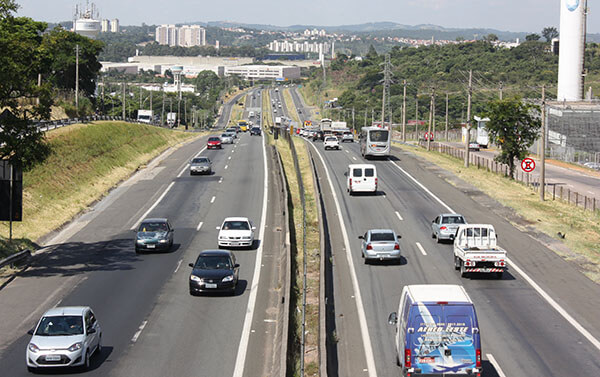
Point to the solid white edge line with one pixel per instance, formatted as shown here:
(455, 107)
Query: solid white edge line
(178, 265)
(495, 365)
(595, 342)
(212, 200)
(364, 329)
(421, 249)
(183, 170)
(139, 332)
(199, 226)
(153, 206)
(240, 360)
(226, 166)
(399, 216)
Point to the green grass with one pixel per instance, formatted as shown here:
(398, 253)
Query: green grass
(86, 162)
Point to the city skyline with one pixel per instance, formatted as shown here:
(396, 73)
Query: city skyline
(502, 15)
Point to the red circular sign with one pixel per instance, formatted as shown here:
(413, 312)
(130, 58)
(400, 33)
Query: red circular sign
(428, 135)
(528, 165)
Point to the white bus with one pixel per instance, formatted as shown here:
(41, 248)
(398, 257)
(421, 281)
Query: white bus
(375, 142)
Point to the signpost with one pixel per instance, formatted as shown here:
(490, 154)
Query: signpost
(528, 165)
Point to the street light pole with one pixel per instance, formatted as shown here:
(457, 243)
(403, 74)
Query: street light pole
(543, 154)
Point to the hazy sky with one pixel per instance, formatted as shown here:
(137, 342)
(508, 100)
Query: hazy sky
(506, 15)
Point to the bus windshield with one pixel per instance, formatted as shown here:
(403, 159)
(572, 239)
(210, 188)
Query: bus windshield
(378, 135)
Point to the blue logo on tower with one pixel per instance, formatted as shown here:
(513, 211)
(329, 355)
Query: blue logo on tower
(572, 4)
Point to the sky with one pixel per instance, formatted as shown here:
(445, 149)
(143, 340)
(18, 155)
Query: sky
(504, 15)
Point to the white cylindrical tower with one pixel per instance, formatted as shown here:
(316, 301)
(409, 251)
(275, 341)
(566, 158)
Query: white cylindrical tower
(572, 40)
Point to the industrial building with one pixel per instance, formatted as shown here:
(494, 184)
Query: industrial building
(268, 72)
(192, 65)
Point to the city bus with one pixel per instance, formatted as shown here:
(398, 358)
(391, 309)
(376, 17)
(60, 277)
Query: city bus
(375, 142)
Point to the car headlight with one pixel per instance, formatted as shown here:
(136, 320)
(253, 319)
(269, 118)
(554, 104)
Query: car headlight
(75, 347)
(163, 241)
(195, 278)
(227, 278)
(222, 237)
(246, 238)
(139, 241)
(33, 348)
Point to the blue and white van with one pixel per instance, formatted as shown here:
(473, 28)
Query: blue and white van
(437, 332)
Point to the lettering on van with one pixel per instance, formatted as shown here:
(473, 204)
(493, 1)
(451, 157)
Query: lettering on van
(449, 328)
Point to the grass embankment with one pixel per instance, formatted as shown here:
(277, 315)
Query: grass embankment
(582, 228)
(266, 110)
(237, 111)
(291, 107)
(86, 162)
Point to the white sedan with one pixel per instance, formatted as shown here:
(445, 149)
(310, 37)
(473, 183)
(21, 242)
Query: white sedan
(331, 142)
(236, 232)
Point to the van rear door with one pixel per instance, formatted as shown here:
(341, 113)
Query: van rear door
(441, 338)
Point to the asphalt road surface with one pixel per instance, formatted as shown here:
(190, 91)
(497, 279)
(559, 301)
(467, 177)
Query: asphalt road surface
(522, 329)
(151, 325)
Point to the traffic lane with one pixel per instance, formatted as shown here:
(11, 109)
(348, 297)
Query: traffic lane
(195, 332)
(529, 313)
(105, 271)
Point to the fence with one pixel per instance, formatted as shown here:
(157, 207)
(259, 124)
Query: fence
(489, 164)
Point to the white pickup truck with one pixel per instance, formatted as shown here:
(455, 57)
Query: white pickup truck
(476, 250)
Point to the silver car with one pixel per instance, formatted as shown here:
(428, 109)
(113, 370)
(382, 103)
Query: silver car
(226, 138)
(445, 226)
(64, 337)
(200, 165)
(380, 244)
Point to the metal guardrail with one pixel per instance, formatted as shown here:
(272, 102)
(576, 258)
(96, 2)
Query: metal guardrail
(16, 258)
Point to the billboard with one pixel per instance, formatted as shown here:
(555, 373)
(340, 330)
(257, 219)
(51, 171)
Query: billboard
(5, 193)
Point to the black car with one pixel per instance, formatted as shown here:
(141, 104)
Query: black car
(214, 271)
(154, 234)
(255, 131)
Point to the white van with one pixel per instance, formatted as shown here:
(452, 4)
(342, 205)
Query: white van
(361, 178)
(437, 332)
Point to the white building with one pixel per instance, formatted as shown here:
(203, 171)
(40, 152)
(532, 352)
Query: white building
(306, 46)
(105, 26)
(272, 72)
(114, 25)
(185, 36)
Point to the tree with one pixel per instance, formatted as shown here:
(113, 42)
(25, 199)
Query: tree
(532, 37)
(550, 33)
(490, 38)
(23, 57)
(372, 54)
(513, 127)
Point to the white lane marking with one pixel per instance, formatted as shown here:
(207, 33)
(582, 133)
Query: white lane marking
(354, 158)
(221, 180)
(226, 166)
(213, 199)
(362, 319)
(495, 365)
(421, 249)
(347, 151)
(153, 206)
(400, 217)
(229, 158)
(240, 360)
(199, 226)
(139, 332)
(270, 321)
(178, 265)
(183, 170)
(531, 282)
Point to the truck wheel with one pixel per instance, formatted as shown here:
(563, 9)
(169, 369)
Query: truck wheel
(432, 235)
(398, 360)
(463, 272)
(456, 263)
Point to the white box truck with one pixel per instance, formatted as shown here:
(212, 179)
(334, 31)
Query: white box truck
(145, 116)
(476, 250)
(171, 119)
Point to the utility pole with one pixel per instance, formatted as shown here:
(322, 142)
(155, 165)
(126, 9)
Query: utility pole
(387, 79)
(501, 88)
(417, 119)
(404, 113)
(543, 154)
(140, 96)
(468, 136)
(446, 116)
(353, 127)
(430, 119)
(185, 112)
(366, 114)
(372, 116)
(162, 114)
(124, 101)
(77, 78)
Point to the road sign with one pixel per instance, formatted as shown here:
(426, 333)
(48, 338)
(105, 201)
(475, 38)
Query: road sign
(428, 135)
(528, 165)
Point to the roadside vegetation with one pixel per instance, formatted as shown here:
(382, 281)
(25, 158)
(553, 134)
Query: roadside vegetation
(85, 163)
(581, 228)
(237, 111)
(289, 104)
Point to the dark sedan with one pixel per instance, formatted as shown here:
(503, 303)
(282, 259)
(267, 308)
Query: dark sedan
(255, 131)
(154, 234)
(214, 271)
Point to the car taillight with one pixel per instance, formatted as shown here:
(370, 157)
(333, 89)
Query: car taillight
(350, 182)
(407, 363)
(478, 358)
(375, 181)
(500, 264)
(443, 228)
(397, 247)
(369, 247)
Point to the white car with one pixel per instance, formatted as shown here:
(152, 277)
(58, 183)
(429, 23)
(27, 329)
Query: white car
(226, 138)
(331, 142)
(348, 136)
(236, 232)
(64, 337)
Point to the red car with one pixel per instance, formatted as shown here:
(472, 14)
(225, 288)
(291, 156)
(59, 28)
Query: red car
(214, 142)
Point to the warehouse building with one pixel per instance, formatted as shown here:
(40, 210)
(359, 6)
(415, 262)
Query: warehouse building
(268, 72)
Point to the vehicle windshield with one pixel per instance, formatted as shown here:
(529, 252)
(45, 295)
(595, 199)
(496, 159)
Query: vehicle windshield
(379, 135)
(453, 220)
(213, 139)
(225, 135)
(60, 326)
(236, 225)
(380, 236)
(331, 139)
(213, 262)
(200, 161)
(153, 227)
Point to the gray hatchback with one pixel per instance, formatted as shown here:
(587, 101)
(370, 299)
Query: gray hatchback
(445, 226)
(380, 244)
(200, 165)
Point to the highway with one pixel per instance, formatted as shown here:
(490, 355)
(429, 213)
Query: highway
(151, 325)
(522, 328)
